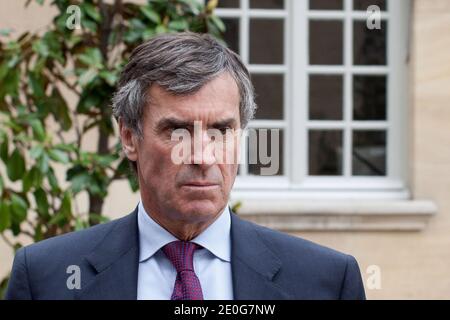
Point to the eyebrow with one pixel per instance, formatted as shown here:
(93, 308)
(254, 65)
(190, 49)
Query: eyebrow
(172, 122)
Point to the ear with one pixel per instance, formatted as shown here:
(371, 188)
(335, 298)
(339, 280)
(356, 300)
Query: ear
(129, 141)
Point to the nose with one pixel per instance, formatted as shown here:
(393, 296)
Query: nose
(203, 153)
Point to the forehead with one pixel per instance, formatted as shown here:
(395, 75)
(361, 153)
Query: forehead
(216, 99)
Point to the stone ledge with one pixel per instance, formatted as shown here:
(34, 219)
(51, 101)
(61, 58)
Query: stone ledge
(337, 215)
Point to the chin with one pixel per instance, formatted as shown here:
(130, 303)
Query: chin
(201, 208)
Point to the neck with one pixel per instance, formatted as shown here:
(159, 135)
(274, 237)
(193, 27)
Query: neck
(182, 229)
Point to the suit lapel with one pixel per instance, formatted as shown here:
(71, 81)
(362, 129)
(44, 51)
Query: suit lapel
(253, 264)
(115, 262)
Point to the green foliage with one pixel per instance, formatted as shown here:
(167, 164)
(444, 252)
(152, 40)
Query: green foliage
(44, 162)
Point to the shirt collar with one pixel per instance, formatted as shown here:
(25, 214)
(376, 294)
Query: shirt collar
(216, 238)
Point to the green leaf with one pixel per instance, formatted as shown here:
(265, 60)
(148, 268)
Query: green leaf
(41, 48)
(27, 181)
(38, 129)
(106, 160)
(75, 170)
(19, 208)
(161, 29)
(148, 33)
(91, 11)
(60, 110)
(150, 14)
(36, 151)
(66, 205)
(10, 83)
(3, 70)
(80, 182)
(87, 77)
(53, 181)
(98, 184)
(58, 219)
(218, 23)
(109, 77)
(38, 233)
(54, 42)
(58, 155)
(134, 185)
(88, 24)
(92, 58)
(32, 178)
(39, 65)
(15, 166)
(36, 84)
(80, 224)
(134, 31)
(68, 147)
(87, 101)
(43, 163)
(5, 216)
(132, 35)
(2, 185)
(178, 25)
(4, 150)
(41, 201)
(13, 62)
(98, 218)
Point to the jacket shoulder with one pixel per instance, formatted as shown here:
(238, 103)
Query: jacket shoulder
(76, 242)
(283, 243)
(309, 270)
(40, 270)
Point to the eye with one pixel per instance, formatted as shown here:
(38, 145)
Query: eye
(175, 128)
(224, 130)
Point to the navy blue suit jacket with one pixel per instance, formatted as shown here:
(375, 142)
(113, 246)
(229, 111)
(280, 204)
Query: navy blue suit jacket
(266, 264)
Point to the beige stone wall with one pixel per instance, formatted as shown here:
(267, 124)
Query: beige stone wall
(413, 264)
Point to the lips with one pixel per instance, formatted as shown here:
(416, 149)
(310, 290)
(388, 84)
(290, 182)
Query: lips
(199, 184)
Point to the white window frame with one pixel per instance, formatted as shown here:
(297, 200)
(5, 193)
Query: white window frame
(393, 185)
(296, 201)
(295, 124)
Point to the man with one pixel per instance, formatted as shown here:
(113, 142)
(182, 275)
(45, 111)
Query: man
(182, 241)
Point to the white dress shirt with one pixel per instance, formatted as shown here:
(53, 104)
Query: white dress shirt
(212, 263)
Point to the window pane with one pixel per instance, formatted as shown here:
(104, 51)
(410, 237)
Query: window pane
(231, 34)
(369, 97)
(228, 4)
(325, 42)
(369, 153)
(265, 152)
(269, 95)
(266, 41)
(325, 97)
(267, 4)
(364, 4)
(325, 152)
(325, 4)
(369, 45)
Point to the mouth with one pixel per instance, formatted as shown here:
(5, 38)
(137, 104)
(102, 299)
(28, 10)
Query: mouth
(199, 185)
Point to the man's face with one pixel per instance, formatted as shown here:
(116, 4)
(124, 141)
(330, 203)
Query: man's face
(197, 189)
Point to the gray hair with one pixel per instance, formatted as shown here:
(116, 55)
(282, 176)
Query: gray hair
(181, 63)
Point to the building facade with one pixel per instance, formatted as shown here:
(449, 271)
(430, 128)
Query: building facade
(360, 103)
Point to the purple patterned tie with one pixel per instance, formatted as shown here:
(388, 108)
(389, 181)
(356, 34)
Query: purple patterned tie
(187, 285)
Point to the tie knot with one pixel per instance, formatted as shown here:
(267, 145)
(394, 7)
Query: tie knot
(181, 254)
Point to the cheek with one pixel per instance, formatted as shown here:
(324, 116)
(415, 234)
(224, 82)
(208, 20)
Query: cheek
(156, 161)
(229, 172)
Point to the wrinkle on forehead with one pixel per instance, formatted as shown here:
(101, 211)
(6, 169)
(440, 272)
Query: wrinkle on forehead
(219, 98)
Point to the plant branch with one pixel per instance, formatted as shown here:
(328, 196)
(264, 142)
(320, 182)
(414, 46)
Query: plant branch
(7, 241)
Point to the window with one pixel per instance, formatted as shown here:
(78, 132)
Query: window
(334, 88)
